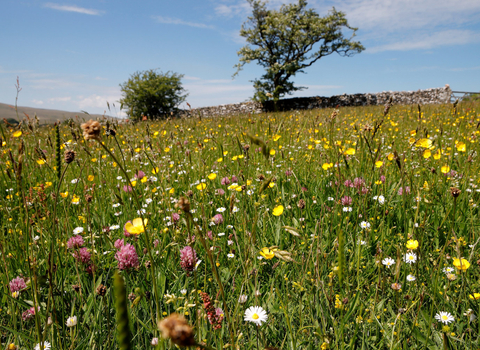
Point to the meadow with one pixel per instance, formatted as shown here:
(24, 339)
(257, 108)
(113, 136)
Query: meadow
(355, 228)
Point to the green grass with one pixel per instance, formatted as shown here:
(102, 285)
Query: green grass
(324, 287)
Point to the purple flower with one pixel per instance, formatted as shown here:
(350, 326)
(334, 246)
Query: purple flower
(140, 175)
(348, 183)
(17, 284)
(234, 178)
(127, 257)
(358, 182)
(219, 192)
(188, 258)
(401, 190)
(346, 201)
(225, 181)
(26, 315)
(220, 314)
(382, 178)
(218, 219)
(288, 173)
(82, 255)
(75, 242)
(127, 189)
(210, 235)
(156, 243)
(175, 217)
(119, 243)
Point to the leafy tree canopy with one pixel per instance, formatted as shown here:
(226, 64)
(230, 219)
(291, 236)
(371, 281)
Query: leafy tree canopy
(151, 94)
(289, 40)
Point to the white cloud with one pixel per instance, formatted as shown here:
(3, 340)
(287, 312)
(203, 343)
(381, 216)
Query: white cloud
(73, 8)
(59, 99)
(38, 102)
(168, 20)
(429, 41)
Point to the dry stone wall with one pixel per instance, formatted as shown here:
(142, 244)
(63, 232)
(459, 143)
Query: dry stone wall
(422, 97)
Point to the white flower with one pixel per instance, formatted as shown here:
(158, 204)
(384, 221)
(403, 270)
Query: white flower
(410, 258)
(46, 346)
(183, 291)
(114, 227)
(388, 262)
(221, 234)
(221, 209)
(347, 209)
(148, 200)
(381, 199)
(411, 278)
(229, 226)
(235, 209)
(116, 205)
(77, 230)
(74, 181)
(72, 321)
(196, 265)
(448, 270)
(256, 314)
(365, 225)
(230, 256)
(141, 211)
(243, 299)
(444, 317)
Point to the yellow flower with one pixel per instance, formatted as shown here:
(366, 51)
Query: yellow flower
(349, 152)
(212, 176)
(427, 153)
(378, 164)
(155, 170)
(219, 160)
(278, 210)
(437, 155)
(474, 296)
(445, 169)
(390, 156)
(136, 226)
(94, 160)
(412, 244)
(461, 147)
(90, 177)
(276, 137)
(167, 149)
(272, 152)
(267, 253)
(64, 194)
(75, 199)
(144, 179)
(40, 161)
(172, 191)
(134, 183)
(327, 166)
(17, 133)
(201, 186)
(424, 143)
(48, 184)
(461, 264)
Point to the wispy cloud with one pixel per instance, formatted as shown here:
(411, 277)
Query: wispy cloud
(429, 41)
(168, 20)
(73, 8)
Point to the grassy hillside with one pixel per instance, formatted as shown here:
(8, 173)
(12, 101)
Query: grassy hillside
(46, 116)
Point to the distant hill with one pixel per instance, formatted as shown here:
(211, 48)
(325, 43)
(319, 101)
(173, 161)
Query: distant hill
(46, 116)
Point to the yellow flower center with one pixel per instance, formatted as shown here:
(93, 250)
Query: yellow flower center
(444, 317)
(255, 316)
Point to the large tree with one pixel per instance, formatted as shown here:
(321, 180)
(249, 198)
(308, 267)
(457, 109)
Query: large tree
(288, 40)
(152, 94)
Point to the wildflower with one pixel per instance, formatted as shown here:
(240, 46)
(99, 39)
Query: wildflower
(278, 210)
(388, 262)
(424, 143)
(411, 278)
(242, 299)
(136, 226)
(176, 328)
(412, 244)
(201, 186)
(347, 209)
(474, 296)
(188, 258)
(17, 133)
(219, 192)
(127, 257)
(17, 284)
(218, 219)
(46, 346)
(256, 314)
(225, 181)
(469, 313)
(410, 258)
(72, 321)
(381, 199)
(221, 209)
(215, 316)
(212, 176)
(82, 255)
(461, 264)
(127, 189)
(346, 201)
(444, 317)
(401, 190)
(91, 130)
(230, 256)
(365, 225)
(396, 286)
(69, 156)
(75, 242)
(154, 342)
(267, 253)
(140, 175)
(447, 270)
(445, 169)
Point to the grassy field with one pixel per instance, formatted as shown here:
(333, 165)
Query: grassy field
(355, 228)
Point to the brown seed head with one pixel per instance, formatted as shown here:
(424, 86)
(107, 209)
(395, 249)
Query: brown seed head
(176, 328)
(91, 130)
(301, 204)
(69, 156)
(101, 290)
(184, 204)
(455, 192)
(396, 286)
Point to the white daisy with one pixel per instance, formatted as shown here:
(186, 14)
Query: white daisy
(72, 321)
(444, 317)
(256, 314)
(388, 262)
(46, 346)
(410, 258)
(365, 225)
(411, 278)
(448, 270)
(77, 230)
(221, 209)
(230, 256)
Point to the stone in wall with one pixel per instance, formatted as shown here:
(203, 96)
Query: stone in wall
(422, 97)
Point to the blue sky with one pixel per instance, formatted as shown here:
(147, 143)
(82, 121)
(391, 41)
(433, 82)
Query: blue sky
(72, 55)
